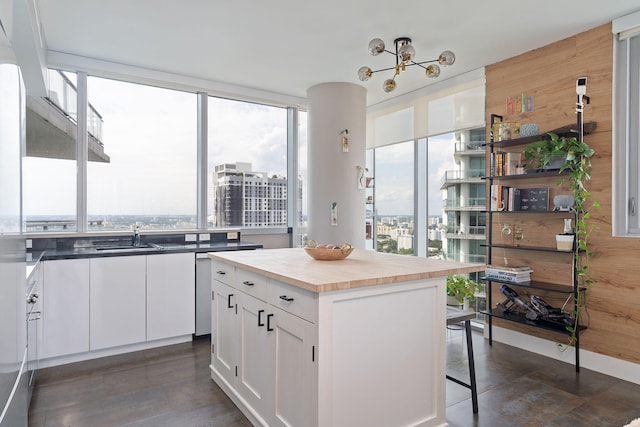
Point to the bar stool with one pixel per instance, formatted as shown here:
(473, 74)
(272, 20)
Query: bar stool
(455, 315)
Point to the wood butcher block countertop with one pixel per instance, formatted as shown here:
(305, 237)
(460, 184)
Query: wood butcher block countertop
(361, 268)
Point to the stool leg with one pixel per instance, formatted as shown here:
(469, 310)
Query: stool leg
(472, 367)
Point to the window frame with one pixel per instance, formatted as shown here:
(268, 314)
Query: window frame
(626, 126)
(202, 94)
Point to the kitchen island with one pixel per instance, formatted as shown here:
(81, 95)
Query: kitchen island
(356, 342)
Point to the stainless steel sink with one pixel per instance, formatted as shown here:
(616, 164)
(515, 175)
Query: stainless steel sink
(123, 247)
(167, 245)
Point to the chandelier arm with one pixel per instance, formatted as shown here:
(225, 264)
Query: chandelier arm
(424, 62)
(383, 69)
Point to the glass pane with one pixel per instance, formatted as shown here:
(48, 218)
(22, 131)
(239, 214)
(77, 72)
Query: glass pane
(11, 134)
(459, 159)
(247, 164)
(49, 168)
(147, 173)
(441, 196)
(370, 210)
(394, 198)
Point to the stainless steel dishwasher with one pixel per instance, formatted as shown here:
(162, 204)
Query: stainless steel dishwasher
(203, 294)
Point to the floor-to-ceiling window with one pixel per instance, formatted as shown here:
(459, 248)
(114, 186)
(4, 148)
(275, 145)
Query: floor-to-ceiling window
(147, 177)
(140, 167)
(49, 166)
(247, 162)
(394, 198)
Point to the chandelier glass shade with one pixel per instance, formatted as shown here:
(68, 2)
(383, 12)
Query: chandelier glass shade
(405, 54)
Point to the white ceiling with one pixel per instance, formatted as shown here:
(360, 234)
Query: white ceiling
(287, 46)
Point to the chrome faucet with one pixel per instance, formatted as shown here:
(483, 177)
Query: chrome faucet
(136, 236)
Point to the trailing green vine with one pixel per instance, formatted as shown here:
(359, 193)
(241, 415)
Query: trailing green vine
(577, 164)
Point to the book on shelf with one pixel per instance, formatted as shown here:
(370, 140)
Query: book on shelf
(511, 163)
(512, 274)
(505, 163)
(504, 198)
(507, 279)
(516, 268)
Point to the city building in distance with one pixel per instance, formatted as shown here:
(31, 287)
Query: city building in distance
(246, 198)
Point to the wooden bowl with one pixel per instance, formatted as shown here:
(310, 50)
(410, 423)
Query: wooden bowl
(329, 252)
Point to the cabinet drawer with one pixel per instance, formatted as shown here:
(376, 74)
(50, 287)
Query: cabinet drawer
(222, 272)
(252, 284)
(297, 301)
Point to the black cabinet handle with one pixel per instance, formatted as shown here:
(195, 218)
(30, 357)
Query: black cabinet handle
(229, 305)
(248, 283)
(260, 322)
(221, 272)
(286, 298)
(269, 316)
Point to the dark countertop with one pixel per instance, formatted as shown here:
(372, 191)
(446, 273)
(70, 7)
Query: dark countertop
(94, 252)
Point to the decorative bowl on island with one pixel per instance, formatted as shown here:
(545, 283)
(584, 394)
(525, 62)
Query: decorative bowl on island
(328, 252)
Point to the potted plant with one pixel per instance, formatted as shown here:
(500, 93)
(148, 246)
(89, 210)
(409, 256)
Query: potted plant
(577, 163)
(460, 288)
(564, 241)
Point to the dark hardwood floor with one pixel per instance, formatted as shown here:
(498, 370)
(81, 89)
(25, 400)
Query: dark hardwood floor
(171, 386)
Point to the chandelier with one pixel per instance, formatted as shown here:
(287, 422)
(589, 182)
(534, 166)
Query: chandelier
(404, 54)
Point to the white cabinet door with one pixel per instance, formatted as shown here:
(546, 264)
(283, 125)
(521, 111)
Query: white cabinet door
(65, 307)
(170, 295)
(118, 301)
(294, 367)
(223, 331)
(255, 372)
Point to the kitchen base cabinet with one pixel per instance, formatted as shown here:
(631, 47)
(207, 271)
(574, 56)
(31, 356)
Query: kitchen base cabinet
(254, 382)
(95, 307)
(223, 320)
(170, 295)
(293, 370)
(359, 342)
(65, 307)
(262, 356)
(118, 301)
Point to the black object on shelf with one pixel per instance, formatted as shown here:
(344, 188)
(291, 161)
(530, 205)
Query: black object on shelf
(521, 318)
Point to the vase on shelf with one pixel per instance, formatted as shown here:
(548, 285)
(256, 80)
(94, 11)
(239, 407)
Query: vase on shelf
(564, 241)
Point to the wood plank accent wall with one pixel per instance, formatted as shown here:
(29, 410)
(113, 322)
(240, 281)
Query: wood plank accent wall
(549, 75)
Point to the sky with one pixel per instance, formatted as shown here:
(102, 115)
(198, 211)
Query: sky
(394, 175)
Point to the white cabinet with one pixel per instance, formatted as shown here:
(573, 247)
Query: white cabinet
(65, 307)
(255, 349)
(262, 352)
(117, 301)
(293, 370)
(109, 303)
(170, 295)
(223, 331)
(366, 349)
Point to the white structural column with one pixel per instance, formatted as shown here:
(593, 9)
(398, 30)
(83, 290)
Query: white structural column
(333, 173)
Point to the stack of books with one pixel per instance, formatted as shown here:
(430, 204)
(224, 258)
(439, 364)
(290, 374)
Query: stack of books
(506, 273)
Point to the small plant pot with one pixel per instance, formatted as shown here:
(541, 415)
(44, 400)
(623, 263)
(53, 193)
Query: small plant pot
(555, 163)
(452, 301)
(564, 242)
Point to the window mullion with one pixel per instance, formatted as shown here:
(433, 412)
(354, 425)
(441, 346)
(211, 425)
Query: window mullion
(202, 161)
(293, 222)
(82, 154)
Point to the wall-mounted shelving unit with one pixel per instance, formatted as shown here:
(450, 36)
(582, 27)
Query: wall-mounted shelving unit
(535, 251)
